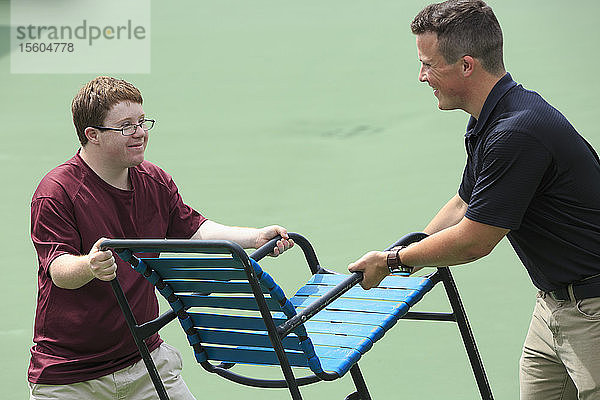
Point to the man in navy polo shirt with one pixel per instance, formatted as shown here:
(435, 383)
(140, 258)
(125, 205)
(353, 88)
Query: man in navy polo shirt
(529, 176)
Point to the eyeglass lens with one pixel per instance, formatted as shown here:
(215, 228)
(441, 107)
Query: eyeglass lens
(146, 125)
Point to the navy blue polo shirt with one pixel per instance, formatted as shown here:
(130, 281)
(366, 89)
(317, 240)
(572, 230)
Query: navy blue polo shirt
(528, 170)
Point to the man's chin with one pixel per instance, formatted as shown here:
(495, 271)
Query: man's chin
(136, 162)
(446, 107)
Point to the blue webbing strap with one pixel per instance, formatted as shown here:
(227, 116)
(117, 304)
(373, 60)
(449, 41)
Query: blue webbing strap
(176, 304)
(288, 309)
(125, 255)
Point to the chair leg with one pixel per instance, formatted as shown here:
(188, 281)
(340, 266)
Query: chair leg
(287, 371)
(291, 381)
(359, 382)
(153, 372)
(139, 341)
(466, 333)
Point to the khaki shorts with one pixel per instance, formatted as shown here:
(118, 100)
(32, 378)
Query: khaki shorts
(561, 355)
(129, 383)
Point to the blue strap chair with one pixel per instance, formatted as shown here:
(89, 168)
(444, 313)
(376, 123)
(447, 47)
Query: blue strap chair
(233, 312)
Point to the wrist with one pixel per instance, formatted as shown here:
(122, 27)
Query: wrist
(255, 238)
(394, 261)
(383, 263)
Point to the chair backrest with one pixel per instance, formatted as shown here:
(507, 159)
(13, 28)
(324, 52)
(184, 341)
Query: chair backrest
(224, 301)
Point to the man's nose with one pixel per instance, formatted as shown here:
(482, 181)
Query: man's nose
(138, 130)
(422, 74)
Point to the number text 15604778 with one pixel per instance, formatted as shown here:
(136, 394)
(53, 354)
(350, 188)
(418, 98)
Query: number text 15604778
(51, 47)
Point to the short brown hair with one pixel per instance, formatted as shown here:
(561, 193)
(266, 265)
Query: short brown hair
(96, 98)
(464, 27)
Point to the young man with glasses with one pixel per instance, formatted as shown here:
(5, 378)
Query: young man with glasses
(83, 348)
(529, 176)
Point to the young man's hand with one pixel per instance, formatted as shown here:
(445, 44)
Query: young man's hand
(269, 232)
(102, 263)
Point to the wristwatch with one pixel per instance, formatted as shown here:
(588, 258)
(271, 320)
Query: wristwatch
(393, 261)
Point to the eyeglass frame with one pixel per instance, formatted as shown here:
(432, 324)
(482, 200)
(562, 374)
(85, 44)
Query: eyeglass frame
(122, 130)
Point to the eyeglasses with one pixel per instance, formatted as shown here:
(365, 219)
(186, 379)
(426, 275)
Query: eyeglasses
(130, 129)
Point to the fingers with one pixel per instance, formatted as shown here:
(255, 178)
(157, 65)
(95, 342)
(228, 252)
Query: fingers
(102, 263)
(373, 267)
(365, 283)
(355, 266)
(281, 231)
(281, 246)
(368, 281)
(284, 245)
(96, 246)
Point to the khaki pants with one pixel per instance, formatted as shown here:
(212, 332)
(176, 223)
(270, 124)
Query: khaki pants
(129, 383)
(561, 355)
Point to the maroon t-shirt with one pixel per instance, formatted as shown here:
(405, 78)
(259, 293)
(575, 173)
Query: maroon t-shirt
(81, 334)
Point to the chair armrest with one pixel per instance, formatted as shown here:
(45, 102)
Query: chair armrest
(151, 327)
(284, 329)
(307, 249)
(408, 239)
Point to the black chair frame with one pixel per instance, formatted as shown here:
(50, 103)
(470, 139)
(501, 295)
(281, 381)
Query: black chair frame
(458, 315)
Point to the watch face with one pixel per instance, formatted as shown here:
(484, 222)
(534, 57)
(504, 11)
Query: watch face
(392, 260)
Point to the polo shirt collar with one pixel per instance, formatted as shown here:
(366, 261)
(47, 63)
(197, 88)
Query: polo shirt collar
(475, 126)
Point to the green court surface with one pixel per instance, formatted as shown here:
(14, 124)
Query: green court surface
(310, 115)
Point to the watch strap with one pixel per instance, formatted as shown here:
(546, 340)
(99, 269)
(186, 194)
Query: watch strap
(393, 261)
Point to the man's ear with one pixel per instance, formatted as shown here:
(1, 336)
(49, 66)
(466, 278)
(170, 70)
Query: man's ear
(91, 134)
(468, 66)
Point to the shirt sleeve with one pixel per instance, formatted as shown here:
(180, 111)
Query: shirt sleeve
(512, 167)
(466, 185)
(53, 231)
(184, 221)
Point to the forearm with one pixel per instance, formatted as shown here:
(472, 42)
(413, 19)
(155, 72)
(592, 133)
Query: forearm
(441, 249)
(70, 272)
(444, 248)
(459, 244)
(245, 237)
(449, 215)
